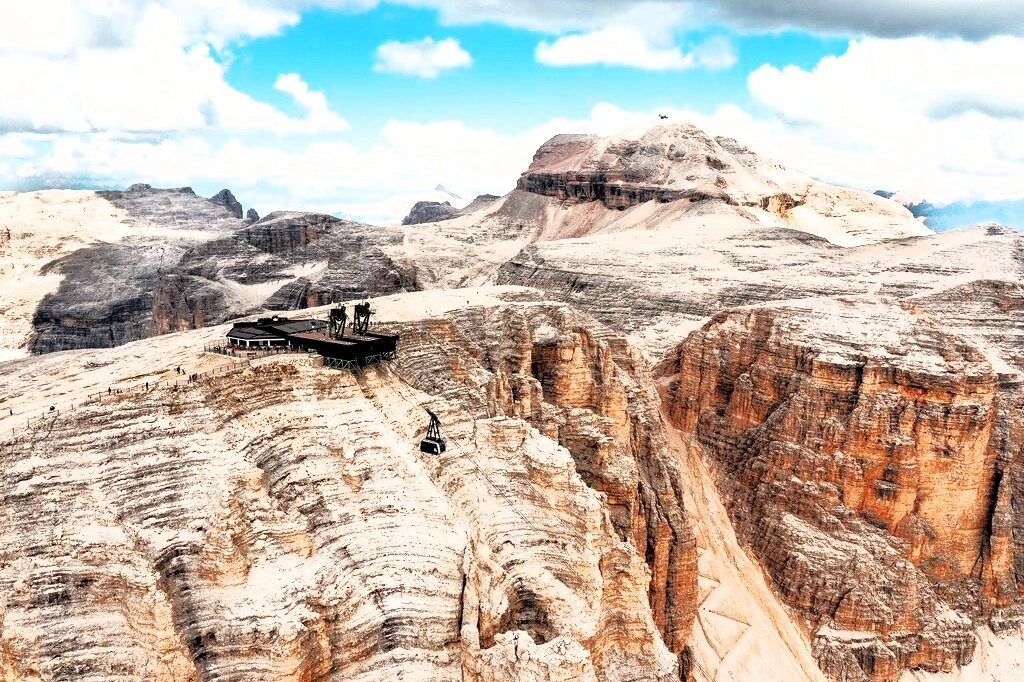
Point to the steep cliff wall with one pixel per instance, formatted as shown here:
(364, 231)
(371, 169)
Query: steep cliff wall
(278, 522)
(114, 293)
(669, 163)
(592, 394)
(865, 454)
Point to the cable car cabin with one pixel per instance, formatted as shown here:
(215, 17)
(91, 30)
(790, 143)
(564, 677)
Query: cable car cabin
(433, 444)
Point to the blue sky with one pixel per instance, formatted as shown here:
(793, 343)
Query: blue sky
(360, 108)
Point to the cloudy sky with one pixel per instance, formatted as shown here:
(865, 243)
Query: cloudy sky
(359, 108)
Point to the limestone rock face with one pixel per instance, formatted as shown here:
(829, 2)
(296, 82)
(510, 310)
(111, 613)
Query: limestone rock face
(251, 216)
(869, 457)
(205, 270)
(659, 285)
(277, 521)
(429, 212)
(680, 163)
(226, 199)
(587, 390)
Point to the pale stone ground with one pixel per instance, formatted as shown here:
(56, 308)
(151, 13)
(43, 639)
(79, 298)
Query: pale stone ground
(742, 632)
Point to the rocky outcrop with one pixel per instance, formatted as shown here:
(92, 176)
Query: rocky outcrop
(661, 284)
(278, 522)
(251, 216)
(863, 452)
(114, 293)
(179, 209)
(592, 394)
(226, 199)
(622, 174)
(670, 163)
(429, 212)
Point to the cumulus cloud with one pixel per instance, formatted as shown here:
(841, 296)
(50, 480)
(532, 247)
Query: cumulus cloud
(319, 117)
(931, 117)
(883, 18)
(622, 46)
(424, 58)
(127, 66)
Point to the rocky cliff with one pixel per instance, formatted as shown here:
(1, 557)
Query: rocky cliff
(869, 455)
(195, 264)
(429, 212)
(276, 521)
(679, 163)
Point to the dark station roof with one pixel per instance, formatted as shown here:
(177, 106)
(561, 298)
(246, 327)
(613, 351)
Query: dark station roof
(298, 326)
(273, 328)
(253, 333)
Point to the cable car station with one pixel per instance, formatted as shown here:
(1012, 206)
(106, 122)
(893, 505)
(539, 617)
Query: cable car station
(358, 348)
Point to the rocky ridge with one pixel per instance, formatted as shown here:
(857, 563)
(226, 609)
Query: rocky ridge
(430, 212)
(836, 428)
(851, 391)
(278, 520)
(113, 293)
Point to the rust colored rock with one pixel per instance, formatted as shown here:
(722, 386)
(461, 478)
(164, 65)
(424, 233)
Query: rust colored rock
(863, 452)
(586, 388)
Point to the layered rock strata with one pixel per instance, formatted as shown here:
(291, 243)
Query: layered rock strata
(278, 521)
(114, 293)
(660, 285)
(670, 163)
(429, 212)
(869, 458)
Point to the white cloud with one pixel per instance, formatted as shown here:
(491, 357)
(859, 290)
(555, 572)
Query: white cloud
(377, 184)
(424, 58)
(15, 146)
(932, 117)
(319, 117)
(715, 53)
(150, 73)
(624, 46)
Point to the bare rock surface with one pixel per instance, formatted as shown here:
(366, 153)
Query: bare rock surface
(43, 230)
(659, 285)
(226, 199)
(429, 212)
(277, 521)
(869, 455)
(669, 163)
(183, 262)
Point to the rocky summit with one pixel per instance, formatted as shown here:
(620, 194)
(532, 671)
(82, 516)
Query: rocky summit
(707, 419)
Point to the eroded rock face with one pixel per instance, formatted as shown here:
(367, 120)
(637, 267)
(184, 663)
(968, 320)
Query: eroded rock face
(575, 168)
(226, 199)
(278, 522)
(865, 454)
(429, 212)
(204, 271)
(592, 394)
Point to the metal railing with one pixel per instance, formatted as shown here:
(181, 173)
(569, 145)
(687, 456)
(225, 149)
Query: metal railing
(253, 353)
